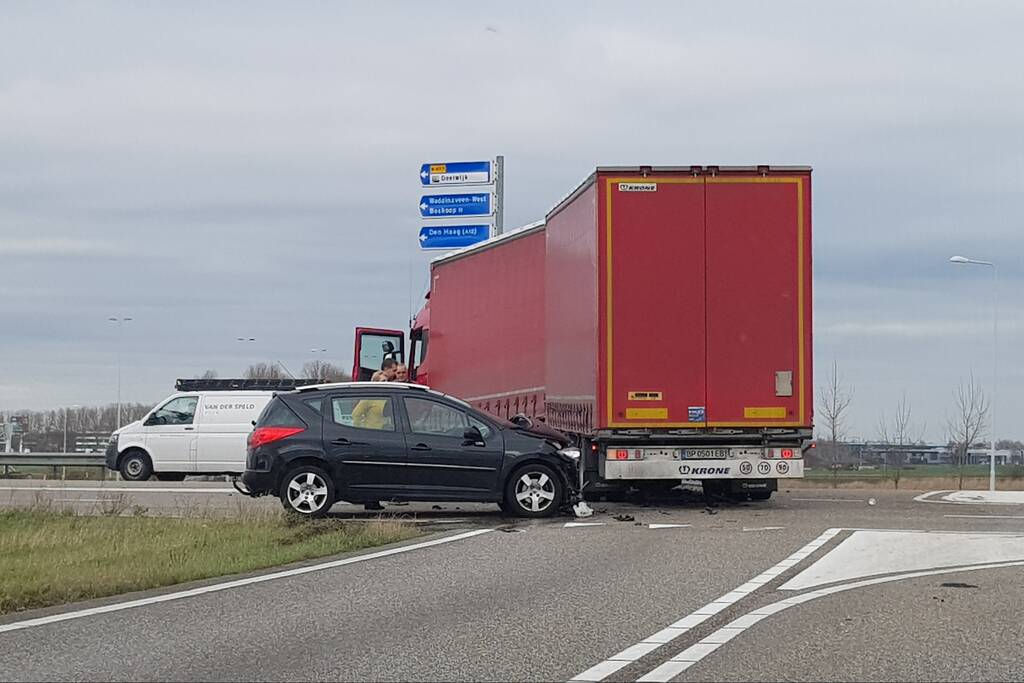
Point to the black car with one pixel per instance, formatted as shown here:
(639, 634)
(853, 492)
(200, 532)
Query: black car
(364, 442)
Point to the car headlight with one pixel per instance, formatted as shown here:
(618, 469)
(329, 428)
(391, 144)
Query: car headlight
(572, 453)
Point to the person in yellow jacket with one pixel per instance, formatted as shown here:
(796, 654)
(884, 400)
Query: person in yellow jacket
(369, 414)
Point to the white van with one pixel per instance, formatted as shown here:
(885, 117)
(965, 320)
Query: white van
(197, 432)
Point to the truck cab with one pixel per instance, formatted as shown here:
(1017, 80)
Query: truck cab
(374, 344)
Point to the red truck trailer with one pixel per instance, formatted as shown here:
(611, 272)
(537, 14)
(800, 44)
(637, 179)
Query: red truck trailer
(659, 316)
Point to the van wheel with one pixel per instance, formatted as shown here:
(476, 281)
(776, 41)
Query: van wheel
(308, 491)
(533, 491)
(136, 466)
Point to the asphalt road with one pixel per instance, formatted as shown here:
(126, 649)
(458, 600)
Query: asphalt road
(545, 601)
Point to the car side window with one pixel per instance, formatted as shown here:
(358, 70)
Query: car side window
(433, 418)
(364, 412)
(177, 411)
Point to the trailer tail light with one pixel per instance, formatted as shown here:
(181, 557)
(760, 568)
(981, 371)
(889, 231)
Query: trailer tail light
(264, 435)
(787, 453)
(618, 454)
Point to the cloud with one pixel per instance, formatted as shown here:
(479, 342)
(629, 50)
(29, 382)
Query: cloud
(251, 170)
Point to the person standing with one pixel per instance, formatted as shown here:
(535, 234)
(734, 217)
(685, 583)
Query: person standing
(386, 372)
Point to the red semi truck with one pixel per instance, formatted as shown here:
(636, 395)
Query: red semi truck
(661, 317)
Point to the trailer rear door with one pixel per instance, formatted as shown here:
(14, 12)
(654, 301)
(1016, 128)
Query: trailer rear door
(654, 339)
(755, 300)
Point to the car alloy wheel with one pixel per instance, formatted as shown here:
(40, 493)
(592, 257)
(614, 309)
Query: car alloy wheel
(535, 491)
(307, 493)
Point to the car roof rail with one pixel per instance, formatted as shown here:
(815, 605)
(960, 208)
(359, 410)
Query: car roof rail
(236, 384)
(375, 385)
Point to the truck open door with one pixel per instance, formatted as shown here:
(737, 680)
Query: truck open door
(373, 345)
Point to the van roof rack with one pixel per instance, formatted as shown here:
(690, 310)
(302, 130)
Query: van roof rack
(241, 384)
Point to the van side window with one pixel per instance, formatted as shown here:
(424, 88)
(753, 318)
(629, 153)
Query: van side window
(177, 411)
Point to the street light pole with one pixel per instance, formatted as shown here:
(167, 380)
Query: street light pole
(995, 361)
(66, 425)
(120, 327)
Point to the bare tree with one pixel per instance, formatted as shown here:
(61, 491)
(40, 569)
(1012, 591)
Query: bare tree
(209, 374)
(896, 434)
(967, 424)
(264, 371)
(324, 371)
(835, 398)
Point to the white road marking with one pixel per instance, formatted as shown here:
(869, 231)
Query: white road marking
(923, 498)
(693, 654)
(973, 497)
(667, 526)
(986, 497)
(831, 500)
(569, 525)
(83, 500)
(238, 583)
(623, 659)
(872, 553)
(114, 489)
(763, 528)
(988, 516)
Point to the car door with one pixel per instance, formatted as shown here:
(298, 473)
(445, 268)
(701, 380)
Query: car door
(364, 442)
(171, 435)
(441, 460)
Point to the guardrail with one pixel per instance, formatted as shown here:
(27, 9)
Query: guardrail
(58, 462)
(53, 459)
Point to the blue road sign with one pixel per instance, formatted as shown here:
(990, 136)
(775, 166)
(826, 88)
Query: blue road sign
(456, 173)
(448, 205)
(453, 236)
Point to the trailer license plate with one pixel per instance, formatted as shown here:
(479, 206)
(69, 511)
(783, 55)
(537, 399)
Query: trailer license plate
(706, 453)
(661, 453)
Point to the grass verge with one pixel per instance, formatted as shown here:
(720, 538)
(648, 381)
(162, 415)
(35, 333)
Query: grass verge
(49, 558)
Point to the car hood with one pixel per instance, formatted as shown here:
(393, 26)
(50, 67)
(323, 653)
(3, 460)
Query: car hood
(130, 427)
(541, 430)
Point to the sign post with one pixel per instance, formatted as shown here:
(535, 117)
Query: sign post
(481, 202)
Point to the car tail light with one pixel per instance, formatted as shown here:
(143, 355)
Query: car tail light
(265, 435)
(787, 453)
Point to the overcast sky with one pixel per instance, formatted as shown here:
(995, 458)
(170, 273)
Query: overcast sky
(217, 170)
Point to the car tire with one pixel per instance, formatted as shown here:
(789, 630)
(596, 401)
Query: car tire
(136, 466)
(307, 491)
(169, 477)
(534, 491)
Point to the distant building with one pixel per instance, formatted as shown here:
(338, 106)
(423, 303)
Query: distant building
(873, 453)
(91, 442)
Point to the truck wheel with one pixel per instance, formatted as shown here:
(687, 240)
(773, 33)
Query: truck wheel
(308, 491)
(534, 491)
(136, 466)
(760, 495)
